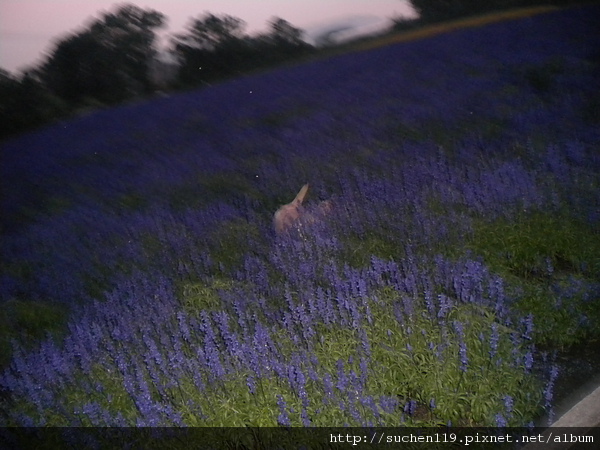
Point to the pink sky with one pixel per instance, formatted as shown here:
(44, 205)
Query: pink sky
(28, 27)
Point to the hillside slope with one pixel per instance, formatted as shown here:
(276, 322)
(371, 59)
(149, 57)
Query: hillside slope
(463, 170)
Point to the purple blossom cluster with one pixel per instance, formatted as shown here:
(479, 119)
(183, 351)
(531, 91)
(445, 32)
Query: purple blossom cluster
(140, 339)
(113, 212)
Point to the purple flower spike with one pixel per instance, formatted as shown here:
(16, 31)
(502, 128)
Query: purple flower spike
(283, 418)
(410, 407)
(528, 361)
(462, 347)
(508, 404)
(494, 340)
(445, 306)
(341, 375)
(501, 421)
(328, 387)
(388, 404)
(251, 383)
(528, 322)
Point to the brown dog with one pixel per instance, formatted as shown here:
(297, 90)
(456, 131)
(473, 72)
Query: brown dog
(294, 214)
(287, 215)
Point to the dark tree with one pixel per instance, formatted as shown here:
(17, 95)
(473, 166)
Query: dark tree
(216, 47)
(210, 31)
(109, 61)
(130, 34)
(283, 33)
(283, 42)
(210, 49)
(436, 10)
(78, 69)
(25, 103)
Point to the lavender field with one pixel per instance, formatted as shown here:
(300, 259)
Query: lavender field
(143, 284)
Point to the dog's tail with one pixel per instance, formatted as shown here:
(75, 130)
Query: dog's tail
(301, 195)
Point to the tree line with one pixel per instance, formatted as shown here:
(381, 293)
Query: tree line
(439, 10)
(115, 59)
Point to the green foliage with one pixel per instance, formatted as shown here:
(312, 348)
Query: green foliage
(419, 360)
(591, 109)
(538, 245)
(227, 185)
(360, 249)
(198, 296)
(132, 202)
(27, 322)
(560, 322)
(422, 359)
(281, 118)
(231, 241)
(548, 261)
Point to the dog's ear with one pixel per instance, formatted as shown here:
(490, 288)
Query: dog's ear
(301, 195)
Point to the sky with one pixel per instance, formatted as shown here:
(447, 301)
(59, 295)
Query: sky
(28, 28)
